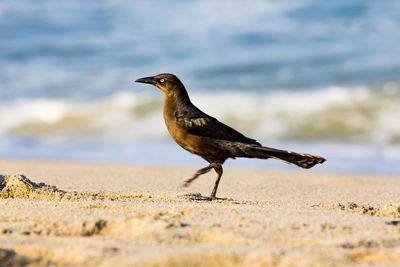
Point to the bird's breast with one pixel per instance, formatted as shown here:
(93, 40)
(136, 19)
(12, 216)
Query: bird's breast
(179, 134)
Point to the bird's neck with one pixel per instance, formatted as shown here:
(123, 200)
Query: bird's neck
(176, 99)
(175, 102)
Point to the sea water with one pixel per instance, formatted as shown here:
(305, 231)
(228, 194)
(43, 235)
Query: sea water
(311, 76)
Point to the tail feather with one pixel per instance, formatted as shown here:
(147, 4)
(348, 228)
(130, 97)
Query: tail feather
(302, 160)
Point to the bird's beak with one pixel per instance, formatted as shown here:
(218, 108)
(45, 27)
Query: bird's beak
(149, 80)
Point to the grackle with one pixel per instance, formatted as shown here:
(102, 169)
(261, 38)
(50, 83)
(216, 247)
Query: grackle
(209, 138)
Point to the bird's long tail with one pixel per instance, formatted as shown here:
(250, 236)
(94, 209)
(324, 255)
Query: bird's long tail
(302, 160)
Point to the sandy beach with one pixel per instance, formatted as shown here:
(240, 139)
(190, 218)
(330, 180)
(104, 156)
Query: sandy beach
(75, 214)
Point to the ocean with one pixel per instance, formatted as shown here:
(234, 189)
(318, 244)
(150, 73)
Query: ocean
(320, 77)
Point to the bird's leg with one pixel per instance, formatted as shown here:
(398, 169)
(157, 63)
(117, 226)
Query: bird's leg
(198, 173)
(219, 171)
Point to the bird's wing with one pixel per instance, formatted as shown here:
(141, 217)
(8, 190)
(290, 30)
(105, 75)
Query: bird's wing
(201, 124)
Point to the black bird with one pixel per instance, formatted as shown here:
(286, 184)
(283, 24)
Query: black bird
(210, 139)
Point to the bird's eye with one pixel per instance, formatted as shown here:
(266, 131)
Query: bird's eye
(162, 80)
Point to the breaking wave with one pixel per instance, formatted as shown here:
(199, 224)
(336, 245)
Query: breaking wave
(356, 114)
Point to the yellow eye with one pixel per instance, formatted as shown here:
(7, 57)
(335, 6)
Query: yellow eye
(162, 80)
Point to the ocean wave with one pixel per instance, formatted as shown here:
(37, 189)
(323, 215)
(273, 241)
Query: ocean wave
(92, 46)
(357, 114)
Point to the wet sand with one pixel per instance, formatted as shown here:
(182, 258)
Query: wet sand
(75, 214)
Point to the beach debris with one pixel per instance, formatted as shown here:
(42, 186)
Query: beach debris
(391, 209)
(394, 222)
(9, 257)
(19, 186)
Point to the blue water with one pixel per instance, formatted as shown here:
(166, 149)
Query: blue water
(67, 70)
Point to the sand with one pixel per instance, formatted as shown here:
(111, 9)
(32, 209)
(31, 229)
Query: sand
(74, 214)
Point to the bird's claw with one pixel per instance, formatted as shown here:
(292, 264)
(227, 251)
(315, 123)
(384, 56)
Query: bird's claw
(217, 198)
(200, 197)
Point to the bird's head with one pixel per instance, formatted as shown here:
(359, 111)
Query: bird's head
(168, 83)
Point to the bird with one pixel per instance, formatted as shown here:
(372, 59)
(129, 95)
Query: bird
(212, 140)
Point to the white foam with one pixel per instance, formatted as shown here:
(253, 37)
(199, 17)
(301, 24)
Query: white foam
(334, 113)
(38, 110)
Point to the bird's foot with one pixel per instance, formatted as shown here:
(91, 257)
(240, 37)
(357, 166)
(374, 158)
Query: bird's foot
(218, 198)
(200, 197)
